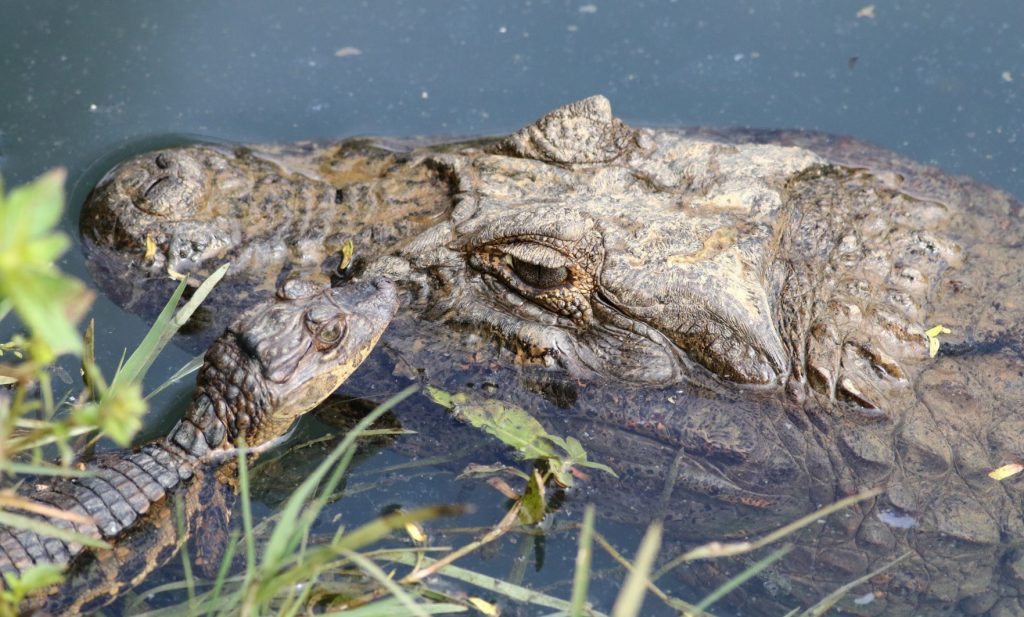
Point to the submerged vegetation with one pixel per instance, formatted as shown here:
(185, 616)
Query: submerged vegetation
(280, 565)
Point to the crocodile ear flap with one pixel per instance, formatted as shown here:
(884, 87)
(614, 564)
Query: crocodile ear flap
(579, 133)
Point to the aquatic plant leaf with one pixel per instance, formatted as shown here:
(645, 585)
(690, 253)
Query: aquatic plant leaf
(577, 456)
(534, 502)
(476, 470)
(512, 425)
(515, 427)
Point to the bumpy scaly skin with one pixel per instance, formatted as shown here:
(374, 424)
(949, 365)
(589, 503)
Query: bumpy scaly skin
(273, 212)
(276, 362)
(766, 295)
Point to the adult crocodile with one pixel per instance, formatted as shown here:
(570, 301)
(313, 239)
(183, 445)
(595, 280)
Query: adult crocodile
(735, 319)
(275, 363)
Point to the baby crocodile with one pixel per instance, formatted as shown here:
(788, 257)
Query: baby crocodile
(275, 363)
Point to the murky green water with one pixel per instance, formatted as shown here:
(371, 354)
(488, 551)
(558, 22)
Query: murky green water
(84, 84)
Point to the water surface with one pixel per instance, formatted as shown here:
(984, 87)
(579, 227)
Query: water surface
(84, 84)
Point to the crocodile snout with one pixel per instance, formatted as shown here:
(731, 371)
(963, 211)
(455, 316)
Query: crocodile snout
(170, 184)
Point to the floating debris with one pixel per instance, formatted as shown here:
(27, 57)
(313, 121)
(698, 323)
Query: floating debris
(347, 250)
(348, 52)
(1006, 471)
(933, 338)
(868, 12)
(897, 519)
(484, 607)
(416, 532)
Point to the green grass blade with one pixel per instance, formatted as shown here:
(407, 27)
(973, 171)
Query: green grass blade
(45, 529)
(742, 577)
(44, 470)
(225, 566)
(516, 593)
(187, 369)
(147, 350)
(391, 607)
(286, 536)
(186, 561)
(717, 549)
(243, 489)
(165, 327)
(581, 578)
(381, 526)
(379, 575)
(631, 597)
(823, 605)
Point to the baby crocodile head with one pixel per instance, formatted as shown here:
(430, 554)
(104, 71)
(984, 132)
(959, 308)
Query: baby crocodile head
(281, 359)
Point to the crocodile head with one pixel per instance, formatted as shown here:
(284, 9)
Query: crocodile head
(281, 359)
(616, 251)
(654, 257)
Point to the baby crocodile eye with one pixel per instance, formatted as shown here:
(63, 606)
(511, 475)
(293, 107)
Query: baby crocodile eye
(536, 275)
(329, 335)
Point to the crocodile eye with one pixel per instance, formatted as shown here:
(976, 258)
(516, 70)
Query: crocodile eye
(329, 335)
(542, 274)
(536, 275)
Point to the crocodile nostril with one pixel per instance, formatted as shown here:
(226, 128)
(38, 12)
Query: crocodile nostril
(164, 160)
(157, 185)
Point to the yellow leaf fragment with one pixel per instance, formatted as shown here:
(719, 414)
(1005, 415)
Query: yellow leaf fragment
(150, 248)
(175, 275)
(484, 607)
(1006, 471)
(933, 338)
(347, 250)
(415, 532)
